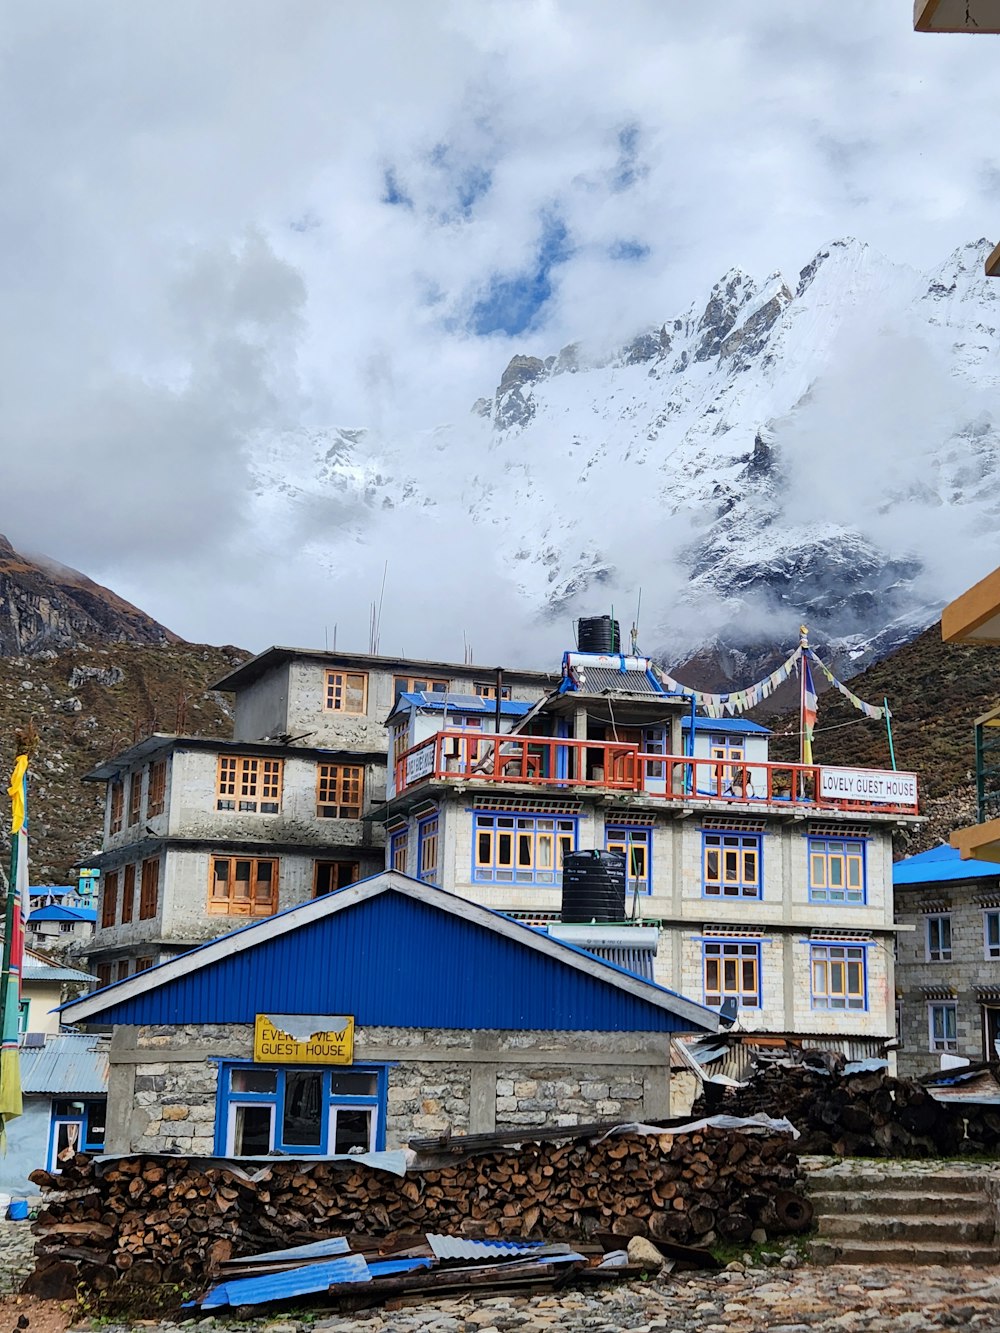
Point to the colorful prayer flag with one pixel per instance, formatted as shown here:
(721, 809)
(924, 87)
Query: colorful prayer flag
(16, 921)
(809, 705)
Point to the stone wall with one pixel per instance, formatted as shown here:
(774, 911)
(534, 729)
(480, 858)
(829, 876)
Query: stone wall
(162, 1091)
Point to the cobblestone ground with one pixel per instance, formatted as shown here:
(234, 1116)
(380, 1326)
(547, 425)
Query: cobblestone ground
(803, 1299)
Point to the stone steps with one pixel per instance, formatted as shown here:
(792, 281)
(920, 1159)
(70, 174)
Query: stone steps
(944, 1217)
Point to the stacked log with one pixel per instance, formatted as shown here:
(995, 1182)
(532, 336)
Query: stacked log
(153, 1219)
(867, 1114)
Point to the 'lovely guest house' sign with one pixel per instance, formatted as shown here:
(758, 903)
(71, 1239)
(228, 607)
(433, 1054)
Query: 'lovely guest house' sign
(871, 785)
(304, 1039)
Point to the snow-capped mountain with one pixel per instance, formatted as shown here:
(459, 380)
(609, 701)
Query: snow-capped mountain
(824, 449)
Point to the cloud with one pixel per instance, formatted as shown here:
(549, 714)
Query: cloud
(221, 225)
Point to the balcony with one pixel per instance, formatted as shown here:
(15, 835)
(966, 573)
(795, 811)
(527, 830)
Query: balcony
(981, 842)
(552, 764)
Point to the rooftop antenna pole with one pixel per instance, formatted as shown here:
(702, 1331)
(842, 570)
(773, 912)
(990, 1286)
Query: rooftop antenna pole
(888, 731)
(635, 626)
(378, 614)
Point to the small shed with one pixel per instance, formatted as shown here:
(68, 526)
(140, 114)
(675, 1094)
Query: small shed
(388, 1009)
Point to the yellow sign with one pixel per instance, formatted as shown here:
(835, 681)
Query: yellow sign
(303, 1039)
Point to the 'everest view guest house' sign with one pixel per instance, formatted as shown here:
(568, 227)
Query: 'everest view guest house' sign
(876, 786)
(303, 1039)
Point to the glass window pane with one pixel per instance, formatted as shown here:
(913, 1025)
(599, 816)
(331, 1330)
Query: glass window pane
(352, 1129)
(817, 871)
(252, 1131)
(524, 849)
(836, 872)
(483, 853)
(505, 849)
(353, 1084)
(732, 863)
(712, 864)
(302, 1121)
(253, 1080)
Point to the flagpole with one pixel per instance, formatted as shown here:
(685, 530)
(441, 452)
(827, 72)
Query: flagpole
(804, 647)
(10, 904)
(888, 731)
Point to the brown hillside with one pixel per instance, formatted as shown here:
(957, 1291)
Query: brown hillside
(936, 691)
(87, 704)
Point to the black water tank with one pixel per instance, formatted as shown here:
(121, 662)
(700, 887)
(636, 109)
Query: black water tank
(598, 634)
(593, 886)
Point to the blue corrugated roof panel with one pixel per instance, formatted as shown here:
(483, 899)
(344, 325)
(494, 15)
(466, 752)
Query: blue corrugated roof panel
(730, 726)
(66, 1064)
(282, 1286)
(940, 865)
(438, 701)
(56, 913)
(397, 959)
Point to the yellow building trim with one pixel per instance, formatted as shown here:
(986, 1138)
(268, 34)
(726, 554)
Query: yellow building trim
(975, 616)
(981, 842)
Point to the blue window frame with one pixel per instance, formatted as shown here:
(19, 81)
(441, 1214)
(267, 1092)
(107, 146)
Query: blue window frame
(837, 871)
(428, 849)
(399, 846)
(521, 849)
(76, 1126)
(731, 865)
(839, 975)
(636, 845)
(731, 970)
(299, 1109)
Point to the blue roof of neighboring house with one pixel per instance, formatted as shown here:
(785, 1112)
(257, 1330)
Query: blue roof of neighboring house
(68, 1063)
(438, 701)
(395, 952)
(940, 865)
(731, 726)
(52, 890)
(56, 913)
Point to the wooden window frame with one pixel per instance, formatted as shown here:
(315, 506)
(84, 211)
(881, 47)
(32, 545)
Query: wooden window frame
(109, 899)
(738, 871)
(726, 965)
(251, 905)
(116, 816)
(419, 685)
(484, 690)
(336, 689)
(629, 841)
(991, 950)
(104, 972)
(521, 848)
(335, 861)
(399, 849)
(944, 1042)
(336, 780)
(143, 964)
(156, 796)
(128, 894)
(134, 798)
(429, 849)
(249, 784)
(149, 888)
(122, 970)
(833, 862)
(825, 960)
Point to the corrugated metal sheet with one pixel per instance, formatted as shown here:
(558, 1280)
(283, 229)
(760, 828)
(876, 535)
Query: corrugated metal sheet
(939, 866)
(732, 726)
(35, 971)
(397, 962)
(640, 962)
(282, 1286)
(69, 1063)
(57, 913)
(318, 1249)
(457, 1247)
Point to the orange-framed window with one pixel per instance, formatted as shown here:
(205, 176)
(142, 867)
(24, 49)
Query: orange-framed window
(103, 975)
(243, 886)
(340, 790)
(134, 798)
(400, 741)
(399, 846)
(117, 798)
(333, 875)
(248, 784)
(346, 692)
(128, 893)
(487, 691)
(149, 888)
(156, 799)
(418, 685)
(109, 899)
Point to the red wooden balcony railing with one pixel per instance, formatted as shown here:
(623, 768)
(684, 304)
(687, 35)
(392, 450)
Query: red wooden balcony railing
(554, 763)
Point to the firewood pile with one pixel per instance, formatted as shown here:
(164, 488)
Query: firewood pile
(152, 1219)
(869, 1114)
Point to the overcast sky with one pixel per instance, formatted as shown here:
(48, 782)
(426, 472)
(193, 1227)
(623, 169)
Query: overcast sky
(223, 220)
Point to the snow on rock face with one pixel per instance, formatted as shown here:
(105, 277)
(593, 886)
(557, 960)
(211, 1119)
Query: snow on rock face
(825, 450)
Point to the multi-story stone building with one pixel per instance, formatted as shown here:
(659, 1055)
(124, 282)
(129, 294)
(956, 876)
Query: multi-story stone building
(201, 833)
(948, 964)
(770, 885)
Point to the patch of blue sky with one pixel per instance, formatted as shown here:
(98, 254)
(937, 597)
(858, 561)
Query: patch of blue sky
(392, 192)
(512, 302)
(466, 182)
(628, 250)
(628, 168)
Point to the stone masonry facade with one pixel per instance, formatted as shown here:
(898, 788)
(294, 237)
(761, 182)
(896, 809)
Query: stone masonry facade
(163, 1086)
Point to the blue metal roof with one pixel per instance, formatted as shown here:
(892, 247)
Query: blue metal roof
(412, 956)
(70, 1063)
(438, 701)
(730, 726)
(55, 913)
(941, 865)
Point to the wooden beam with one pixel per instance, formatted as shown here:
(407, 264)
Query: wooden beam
(993, 263)
(966, 619)
(971, 16)
(923, 14)
(979, 843)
